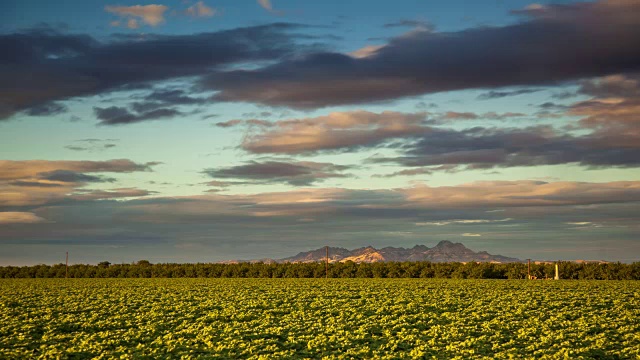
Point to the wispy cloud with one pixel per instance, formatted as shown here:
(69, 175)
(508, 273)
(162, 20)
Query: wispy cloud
(333, 131)
(296, 173)
(40, 182)
(465, 221)
(266, 4)
(92, 145)
(200, 9)
(152, 15)
(15, 217)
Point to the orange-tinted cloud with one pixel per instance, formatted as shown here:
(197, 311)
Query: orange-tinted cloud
(13, 170)
(17, 217)
(333, 131)
(40, 182)
(152, 15)
(200, 9)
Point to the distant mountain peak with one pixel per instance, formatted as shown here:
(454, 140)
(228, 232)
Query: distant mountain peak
(444, 243)
(444, 251)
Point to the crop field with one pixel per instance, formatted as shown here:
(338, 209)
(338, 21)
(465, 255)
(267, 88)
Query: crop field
(318, 318)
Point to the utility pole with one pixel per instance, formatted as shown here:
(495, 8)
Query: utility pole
(326, 273)
(66, 267)
(528, 269)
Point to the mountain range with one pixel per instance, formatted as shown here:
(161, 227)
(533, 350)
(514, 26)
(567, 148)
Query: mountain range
(444, 251)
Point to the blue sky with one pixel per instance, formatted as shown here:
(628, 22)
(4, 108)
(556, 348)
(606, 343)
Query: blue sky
(204, 131)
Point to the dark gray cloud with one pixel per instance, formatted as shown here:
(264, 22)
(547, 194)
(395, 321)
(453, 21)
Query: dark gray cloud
(115, 115)
(296, 173)
(550, 46)
(166, 97)
(69, 176)
(229, 123)
(614, 86)
(68, 65)
(47, 109)
(92, 145)
(246, 122)
(483, 148)
(36, 184)
(493, 94)
(450, 169)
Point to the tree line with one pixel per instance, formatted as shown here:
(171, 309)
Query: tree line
(453, 270)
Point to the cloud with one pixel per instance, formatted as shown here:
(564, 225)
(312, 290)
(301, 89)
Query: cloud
(411, 23)
(453, 115)
(266, 4)
(15, 217)
(420, 145)
(152, 15)
(613, 86)
(92, 145)
(366, 51)
(491, 115)
(568, 47)
(296, 173)
(174, 97)
(465, 221)
(67, 176)
(471, 234)
(523, 193)
(14, 170)
(165, 98)
(218, 183)
(47, 109)
(91, 195)
(408, 201)
(450, 169)
(229, 123)
(115, 115)
(40, 182)
(614, 109)
(246, 122)
(341, 216)
(35, 183)
(493, 94)
(338, 130)
(132, 24)
(69, 65)
(613, 113)
(199, 9)
(484, 148)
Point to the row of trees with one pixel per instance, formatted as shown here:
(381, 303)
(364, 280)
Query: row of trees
(144, 269)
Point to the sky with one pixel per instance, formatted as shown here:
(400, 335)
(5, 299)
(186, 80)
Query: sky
(184, 131)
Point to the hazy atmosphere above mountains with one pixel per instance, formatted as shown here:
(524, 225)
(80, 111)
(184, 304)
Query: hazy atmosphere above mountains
(203, 131)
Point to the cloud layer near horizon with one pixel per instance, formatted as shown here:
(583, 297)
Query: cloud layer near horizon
(223, 220)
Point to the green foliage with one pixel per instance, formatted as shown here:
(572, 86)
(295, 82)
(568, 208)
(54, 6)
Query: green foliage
(318, 318)
(144, 269)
